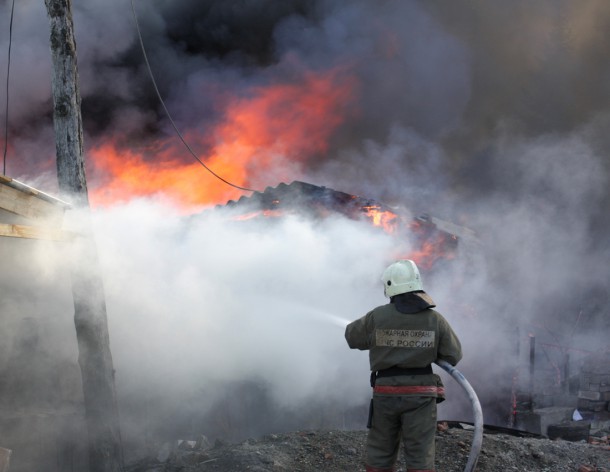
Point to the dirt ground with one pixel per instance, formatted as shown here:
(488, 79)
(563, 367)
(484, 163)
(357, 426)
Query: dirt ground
(342, 451)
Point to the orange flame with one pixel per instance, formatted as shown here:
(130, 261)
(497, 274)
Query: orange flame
(432, 244)
(428, 255)
(437, 247)
(262, 137)
(385, 219)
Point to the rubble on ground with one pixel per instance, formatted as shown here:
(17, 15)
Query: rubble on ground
(342, 451)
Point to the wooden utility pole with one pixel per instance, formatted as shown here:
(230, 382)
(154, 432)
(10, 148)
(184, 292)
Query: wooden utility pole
(95, 359)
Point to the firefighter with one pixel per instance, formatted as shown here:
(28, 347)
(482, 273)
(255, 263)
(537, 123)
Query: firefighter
(403, 338)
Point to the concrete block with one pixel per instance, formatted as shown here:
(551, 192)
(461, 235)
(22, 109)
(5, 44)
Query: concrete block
(539, 420)
(598, 406)
(589, 395)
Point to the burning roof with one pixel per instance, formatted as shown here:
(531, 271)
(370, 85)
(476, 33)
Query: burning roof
(431, 240)
(301, 197)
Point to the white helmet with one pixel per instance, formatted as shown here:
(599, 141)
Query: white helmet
(401, 277)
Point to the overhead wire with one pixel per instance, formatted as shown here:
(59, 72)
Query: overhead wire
(154, 82)
(8, 73)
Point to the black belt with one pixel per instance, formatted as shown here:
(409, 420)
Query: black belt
(394, 371)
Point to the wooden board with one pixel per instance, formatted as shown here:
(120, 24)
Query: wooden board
(26, 201)
(34, 232)
(5, 456)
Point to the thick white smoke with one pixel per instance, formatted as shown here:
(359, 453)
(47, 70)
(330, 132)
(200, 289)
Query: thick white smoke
(203, 307)
(208, 301)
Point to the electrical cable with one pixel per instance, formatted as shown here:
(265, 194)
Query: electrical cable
(8, 72)
(154, 82)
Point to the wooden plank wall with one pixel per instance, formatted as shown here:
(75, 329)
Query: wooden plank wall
(28, 203)
(33, 232)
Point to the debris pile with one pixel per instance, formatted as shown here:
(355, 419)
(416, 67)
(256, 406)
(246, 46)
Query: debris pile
(340, 451)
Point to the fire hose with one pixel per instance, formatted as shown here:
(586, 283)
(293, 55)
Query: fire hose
(477, 440)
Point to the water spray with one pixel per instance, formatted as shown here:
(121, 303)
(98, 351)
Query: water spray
(329, 317)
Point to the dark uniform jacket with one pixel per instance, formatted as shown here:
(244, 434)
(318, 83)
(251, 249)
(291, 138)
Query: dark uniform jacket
(406, 334)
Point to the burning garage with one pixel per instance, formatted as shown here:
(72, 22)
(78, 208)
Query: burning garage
(440, 132)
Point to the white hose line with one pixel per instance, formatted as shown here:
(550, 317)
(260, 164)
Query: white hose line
(477, 440)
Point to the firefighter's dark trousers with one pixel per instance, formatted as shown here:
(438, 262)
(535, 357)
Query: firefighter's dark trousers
(411, 418)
